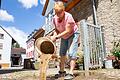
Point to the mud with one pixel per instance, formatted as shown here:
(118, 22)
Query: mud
(47, 47)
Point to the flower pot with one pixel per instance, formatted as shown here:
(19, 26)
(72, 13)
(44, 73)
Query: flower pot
(108, 64)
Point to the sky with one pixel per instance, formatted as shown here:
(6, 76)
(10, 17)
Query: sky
(21, 17)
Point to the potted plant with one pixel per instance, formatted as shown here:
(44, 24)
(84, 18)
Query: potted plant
(116, 52)
(79, 61)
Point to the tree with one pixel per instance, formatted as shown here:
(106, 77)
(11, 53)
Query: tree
(16, 45)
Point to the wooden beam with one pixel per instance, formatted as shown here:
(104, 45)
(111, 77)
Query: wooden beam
(45, 7)
(65, 1)
(72, 4)
(62, 0)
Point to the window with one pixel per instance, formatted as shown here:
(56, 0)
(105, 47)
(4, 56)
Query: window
(1, 36)
(1, 45)
(0, 56)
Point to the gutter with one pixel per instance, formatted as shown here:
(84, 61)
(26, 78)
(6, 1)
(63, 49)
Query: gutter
(94, 13)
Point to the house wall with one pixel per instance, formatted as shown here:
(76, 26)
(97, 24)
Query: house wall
(108, 15)
(6, 51)
(23, 57)
(30, 49)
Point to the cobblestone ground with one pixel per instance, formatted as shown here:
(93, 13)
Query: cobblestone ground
(101, 74)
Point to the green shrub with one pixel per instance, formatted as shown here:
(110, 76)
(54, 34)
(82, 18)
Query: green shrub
(116, 49)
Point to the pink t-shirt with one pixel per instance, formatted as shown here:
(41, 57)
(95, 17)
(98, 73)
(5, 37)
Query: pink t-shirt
(61, 26)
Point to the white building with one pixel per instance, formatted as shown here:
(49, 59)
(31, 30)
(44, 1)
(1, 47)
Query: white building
(30, 48)
(6, 42)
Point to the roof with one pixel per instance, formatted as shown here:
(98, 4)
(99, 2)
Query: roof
(13, 40)
(18, 51)
(39, 33)
(69, 6)
(44, 31)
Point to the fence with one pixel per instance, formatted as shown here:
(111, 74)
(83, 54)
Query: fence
(93, 46)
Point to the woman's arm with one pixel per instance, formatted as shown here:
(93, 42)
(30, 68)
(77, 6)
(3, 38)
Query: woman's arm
(68, 29)
(55, 33)
(58, 35)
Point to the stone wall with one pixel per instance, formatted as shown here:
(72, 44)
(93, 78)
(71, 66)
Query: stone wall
(108, 15)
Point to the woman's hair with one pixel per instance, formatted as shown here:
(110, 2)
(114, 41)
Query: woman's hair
(59, 5)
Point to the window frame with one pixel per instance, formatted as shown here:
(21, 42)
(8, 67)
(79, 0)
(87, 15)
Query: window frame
(1, 36)
(1, 45)
(0, 56)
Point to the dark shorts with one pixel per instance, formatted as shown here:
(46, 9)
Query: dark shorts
(70, 45)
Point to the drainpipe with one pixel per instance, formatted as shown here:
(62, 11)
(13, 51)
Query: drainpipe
(94, 12)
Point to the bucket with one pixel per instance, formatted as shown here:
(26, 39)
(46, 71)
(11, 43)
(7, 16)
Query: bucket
(44, 45)
(46, 48)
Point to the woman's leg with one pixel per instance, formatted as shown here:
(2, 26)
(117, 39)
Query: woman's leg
(62, 63)
(73, 47)
(63, 50)
(72, 65)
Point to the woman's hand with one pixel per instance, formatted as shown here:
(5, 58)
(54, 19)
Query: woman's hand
(53, 38)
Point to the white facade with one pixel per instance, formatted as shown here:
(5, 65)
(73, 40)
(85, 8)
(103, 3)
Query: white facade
(30, 49)
(23, 57)
(5, 50)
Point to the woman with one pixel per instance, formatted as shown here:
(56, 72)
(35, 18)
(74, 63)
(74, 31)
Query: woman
(66, 29)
